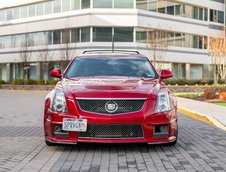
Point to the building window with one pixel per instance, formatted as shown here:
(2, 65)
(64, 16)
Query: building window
(205, 14)
(178, 71)
(24, 12)
(178, 39)
(48, 8)
(123, 4)
(170, 8)
(66, 36)
(220, 17)
(57, 6)
(178, 9)
(65, 5)
(75, 35)
(201, 13)
(57, 37)
(102, 34)
(2, 15)
(39, 39)
(48, 38)
(16, 13)
(170, 38)
(195, 13)
(152, 5)
(9, 14)
(102, 3)
(141, 4)
(75, 4)
(85, 34)
(39, 9)
(123, 34)
(213, 15)
(85, 4)
(141, 36)
(32, 11)
(196, 71)
(19, 39)
(7, 42)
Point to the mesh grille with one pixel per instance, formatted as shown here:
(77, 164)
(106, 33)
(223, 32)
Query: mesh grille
(101, 106)
(113, 131)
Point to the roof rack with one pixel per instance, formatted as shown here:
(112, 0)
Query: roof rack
(111, 51)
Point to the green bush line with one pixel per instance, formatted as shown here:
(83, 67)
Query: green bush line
(190, 82)
(33, 82)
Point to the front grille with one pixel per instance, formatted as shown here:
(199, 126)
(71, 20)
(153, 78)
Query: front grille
(111, 131)
(101, 106)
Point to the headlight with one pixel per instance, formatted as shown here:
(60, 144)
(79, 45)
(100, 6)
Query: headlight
(59, 102)
(163, 103)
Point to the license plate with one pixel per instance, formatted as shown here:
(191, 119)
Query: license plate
(74, 124)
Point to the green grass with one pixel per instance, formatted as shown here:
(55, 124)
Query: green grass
(189, 95)
(220, 104)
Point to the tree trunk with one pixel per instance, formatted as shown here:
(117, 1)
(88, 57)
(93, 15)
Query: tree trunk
(215, 76)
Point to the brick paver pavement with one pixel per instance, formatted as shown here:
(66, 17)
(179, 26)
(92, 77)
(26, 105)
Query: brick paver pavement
(200, 147)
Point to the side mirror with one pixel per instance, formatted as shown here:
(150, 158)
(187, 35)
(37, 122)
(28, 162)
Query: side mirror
(56, 73)
(166, 74)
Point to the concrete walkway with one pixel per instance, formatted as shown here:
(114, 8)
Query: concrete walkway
(207, 112)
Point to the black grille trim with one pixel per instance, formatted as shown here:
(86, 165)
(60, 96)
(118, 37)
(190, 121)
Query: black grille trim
(113, 131)
(97, 106)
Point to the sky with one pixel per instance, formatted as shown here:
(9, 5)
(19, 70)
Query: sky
(7, 3)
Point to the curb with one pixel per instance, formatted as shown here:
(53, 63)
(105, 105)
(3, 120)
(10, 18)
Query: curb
(207, 119)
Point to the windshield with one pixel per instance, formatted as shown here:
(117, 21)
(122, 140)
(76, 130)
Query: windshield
(111, 66)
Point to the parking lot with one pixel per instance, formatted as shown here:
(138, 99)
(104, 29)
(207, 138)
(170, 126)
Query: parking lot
(201, 147)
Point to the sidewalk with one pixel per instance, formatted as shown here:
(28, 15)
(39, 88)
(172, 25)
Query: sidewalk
(207, 112)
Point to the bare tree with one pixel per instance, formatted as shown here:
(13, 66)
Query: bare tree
(157, 40)
(45, 55)
(217, 51)
(66, 51)
(26, 54)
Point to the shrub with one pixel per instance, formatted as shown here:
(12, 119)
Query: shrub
(223, 89)
(18, 82)
(41, 82)
(210, 93)
(31, 82)
(53, 82)
(188, 82)
(2, 82)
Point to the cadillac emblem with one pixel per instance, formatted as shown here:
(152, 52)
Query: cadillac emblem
(111, 107)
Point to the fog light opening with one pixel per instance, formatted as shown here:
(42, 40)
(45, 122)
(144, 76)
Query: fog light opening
(57, 128)
(163, 129)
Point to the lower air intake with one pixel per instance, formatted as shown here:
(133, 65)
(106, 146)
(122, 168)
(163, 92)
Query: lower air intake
(111, 131)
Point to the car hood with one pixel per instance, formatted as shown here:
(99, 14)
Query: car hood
(110, 88)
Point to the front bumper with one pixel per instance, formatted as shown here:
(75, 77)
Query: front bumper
(147, 122)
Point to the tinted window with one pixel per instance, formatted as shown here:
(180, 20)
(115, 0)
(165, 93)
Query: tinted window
(111, 66)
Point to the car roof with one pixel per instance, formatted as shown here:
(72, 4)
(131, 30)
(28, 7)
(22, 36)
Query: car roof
(110, 53)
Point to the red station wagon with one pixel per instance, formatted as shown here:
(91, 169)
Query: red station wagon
(105, 97)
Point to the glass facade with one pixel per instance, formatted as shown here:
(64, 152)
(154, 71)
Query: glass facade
(196, 71)
(123, 4)
(169, 7)
(179, 71)
(102, 3)
(123, 34)
(104, 34)
(173, 38)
